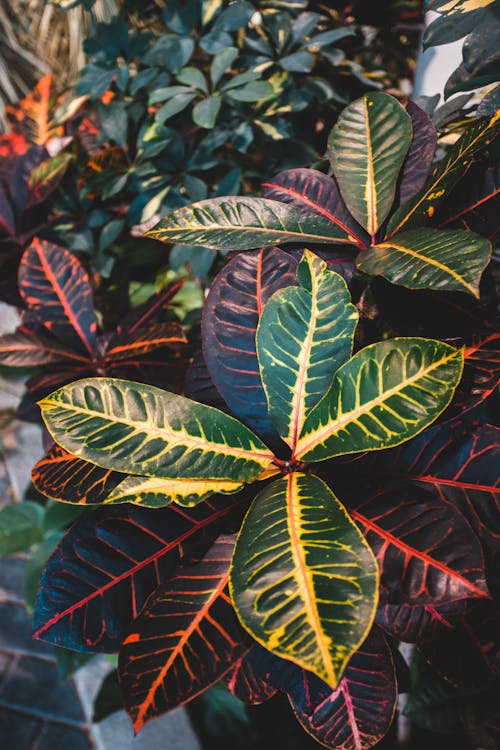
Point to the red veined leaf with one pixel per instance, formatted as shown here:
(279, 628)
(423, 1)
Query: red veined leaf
(475, 203)
(185, 639)
(414, 624)
(424, 547)
(245, 682)
(360, 711)
(481, 372)
(458, 461)
(317, 192)
(140, 316)
(21, 349)
(57, 289)
(145, 340)
(418, 161)
(229, 324)
(33, 116)
(70, 479)
(470, 653)
(108, 563)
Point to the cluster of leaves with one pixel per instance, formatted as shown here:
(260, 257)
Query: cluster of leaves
(479, 22)
(369, 525)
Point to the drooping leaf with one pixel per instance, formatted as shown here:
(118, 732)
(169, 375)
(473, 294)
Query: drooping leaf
(304, 335)
(418, 623)
(234, 223)
(184, 640)
(57, 291)
(231, 315)
(457, 461)
(424, 548)
(444, 176)
(140, 429)
(367, 148)
(386, 394)
(303, 581)
(22, 349)
(418, 161)
(156, 493)
(430, 259)
(360, 711)
(109, 562)
(314, 191)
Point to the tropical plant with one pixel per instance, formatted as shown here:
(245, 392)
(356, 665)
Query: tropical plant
(381, 202)
(307, 571)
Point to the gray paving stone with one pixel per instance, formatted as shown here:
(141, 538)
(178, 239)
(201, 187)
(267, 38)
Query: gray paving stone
(55, 737)
(22, 447)
(17, 732)
(170, 732)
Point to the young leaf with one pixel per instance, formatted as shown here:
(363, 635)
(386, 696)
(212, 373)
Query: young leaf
(387, 393)
(305, 334)
(140, 429)
(156, 493)
(430, 259)
(311, 190)
(244, 223)
(367, 148)
(303, 580)
(57, 290)
(230, 318)
(106, 566)
(184, 640)
(444, 176)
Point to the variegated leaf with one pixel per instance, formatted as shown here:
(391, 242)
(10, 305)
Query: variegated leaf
(151, 492)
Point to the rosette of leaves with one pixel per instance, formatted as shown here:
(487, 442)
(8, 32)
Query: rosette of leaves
(478, 23)
(381, 200)
(307, 570)
(59, 331)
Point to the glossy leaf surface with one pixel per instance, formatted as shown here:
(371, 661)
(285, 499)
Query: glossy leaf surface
(21, 349)
(418, 160)
(139, 429)
(156, 493)
(386, 394)
(56, 289)
(303, 580)
(244, 223)
(421, 622)
(444, 176)
(231, 315)
(481, 371)
(367, 148)
(430, 259)
(424, 548)
(311, 190)
(305, 334)
(184, 640)
(109, 562)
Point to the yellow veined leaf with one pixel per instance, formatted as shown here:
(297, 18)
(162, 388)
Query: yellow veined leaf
(156, 493)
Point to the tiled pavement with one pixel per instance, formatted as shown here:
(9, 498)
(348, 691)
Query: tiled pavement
(39, 710)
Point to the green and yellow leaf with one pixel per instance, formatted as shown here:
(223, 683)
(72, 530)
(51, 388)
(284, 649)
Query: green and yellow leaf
(386, 394)
(445, 175)
(245, 223)
(367, 148)
(430, 259)
(303, 580)
(305, 333)
(152, 492)
(139, 429)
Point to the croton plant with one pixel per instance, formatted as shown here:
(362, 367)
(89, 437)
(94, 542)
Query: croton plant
(337, 503)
